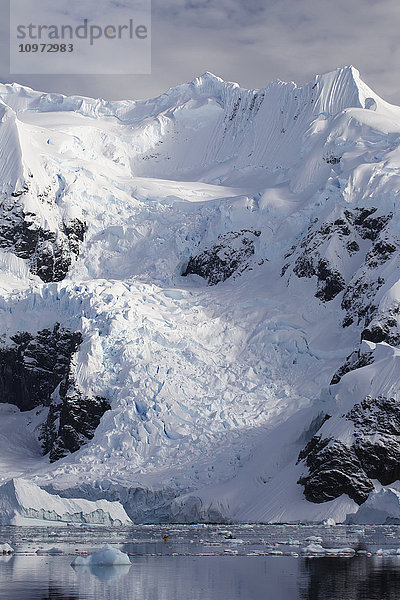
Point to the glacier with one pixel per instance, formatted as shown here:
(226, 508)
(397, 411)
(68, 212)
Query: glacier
(199, 298)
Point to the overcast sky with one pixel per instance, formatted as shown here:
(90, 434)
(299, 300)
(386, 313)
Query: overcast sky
(248, 41)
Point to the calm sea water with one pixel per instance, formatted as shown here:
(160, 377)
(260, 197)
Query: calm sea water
(202, 563)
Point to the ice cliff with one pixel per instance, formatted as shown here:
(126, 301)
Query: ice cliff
(24, 503)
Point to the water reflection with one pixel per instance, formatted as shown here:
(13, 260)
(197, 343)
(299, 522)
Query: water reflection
(202, 564)
(152, 578)
(35, 578)
(358, 578)
(203, 578)
(55, 593)
(103, 572)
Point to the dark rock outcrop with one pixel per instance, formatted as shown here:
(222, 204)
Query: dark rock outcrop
(229, 256)
(330, 281)
(360, 297)
(380, 253)
(355, 360)
(49, 252)
(336, 468)
(307, 258)
(35, 370)
(359, 300)
(332, 159)
(366, 222)
(72, 420)
(34, 365)
(344, 236)
(377, 437)
(384, 328)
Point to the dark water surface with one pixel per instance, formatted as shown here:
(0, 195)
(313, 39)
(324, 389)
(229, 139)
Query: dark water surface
(202, 563)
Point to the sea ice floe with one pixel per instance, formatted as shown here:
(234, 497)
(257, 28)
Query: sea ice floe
(388, 552)
(315, 549)
(314, 539)
(49, 551)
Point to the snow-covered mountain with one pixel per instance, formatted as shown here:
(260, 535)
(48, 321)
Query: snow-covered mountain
(199, 298)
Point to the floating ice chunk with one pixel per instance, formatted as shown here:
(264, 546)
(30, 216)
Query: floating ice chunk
(329, 522)
(6, 549)
(357, 530)
(226, 533)
(340, 551)
(388, 552)
(49, 551)
(313, 549)
(314, 539)
(106, 556)
(317, 550)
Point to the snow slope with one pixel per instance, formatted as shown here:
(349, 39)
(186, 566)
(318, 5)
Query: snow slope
(285, 200)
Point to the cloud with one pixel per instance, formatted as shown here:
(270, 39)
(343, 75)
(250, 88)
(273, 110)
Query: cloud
(252, 42)
(210, 14)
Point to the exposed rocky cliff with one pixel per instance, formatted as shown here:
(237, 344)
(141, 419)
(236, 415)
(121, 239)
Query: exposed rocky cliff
(336, 467)
(35, 371)
(229, 256)
(327, 251)
(48, 250)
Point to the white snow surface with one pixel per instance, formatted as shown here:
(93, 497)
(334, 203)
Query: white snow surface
(213, 389)
(24, 503)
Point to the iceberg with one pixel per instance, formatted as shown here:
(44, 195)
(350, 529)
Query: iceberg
(106, 556)
(24, 503)
(6, 549)
(381, 508)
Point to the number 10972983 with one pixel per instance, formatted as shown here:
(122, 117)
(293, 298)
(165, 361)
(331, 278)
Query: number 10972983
(45, 48)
